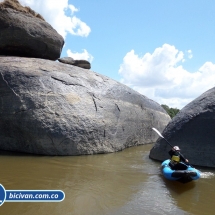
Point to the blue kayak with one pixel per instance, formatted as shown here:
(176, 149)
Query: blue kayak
(184, 172)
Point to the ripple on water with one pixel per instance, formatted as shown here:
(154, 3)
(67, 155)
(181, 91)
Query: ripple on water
(207, 175)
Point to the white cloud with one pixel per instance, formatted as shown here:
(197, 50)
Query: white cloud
(54, 12)
(190, 54)
(80, 56)
(161, 76)
(73, 9)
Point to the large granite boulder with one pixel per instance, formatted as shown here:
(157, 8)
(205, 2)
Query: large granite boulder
(51, 108)
(193, 130)
(27, 35)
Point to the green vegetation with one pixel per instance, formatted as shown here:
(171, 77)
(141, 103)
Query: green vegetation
(171, 111)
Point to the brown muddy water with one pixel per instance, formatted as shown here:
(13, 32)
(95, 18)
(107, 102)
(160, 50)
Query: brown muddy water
(126, 182)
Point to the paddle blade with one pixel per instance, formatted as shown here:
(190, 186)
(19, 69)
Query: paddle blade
(158, 132)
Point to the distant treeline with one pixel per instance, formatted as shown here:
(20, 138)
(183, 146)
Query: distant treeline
(171, 111)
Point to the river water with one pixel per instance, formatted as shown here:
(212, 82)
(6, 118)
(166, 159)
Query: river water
(126, 182)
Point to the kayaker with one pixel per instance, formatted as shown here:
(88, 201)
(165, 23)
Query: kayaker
(176, 157)
(176, 151)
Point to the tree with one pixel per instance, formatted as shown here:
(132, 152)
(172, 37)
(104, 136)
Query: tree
(171, 111)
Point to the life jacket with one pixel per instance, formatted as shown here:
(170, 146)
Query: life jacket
(175, 159)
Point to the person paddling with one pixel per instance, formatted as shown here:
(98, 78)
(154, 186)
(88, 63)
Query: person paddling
(175, 151)
(176, 157)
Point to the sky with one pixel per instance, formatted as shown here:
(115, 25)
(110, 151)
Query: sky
(164, 49)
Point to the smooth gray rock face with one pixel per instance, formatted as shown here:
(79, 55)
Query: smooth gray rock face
(193, 130)
(22, 34)
(80, 63)
(51, 108)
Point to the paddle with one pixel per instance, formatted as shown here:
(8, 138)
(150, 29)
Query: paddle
(167, 142)
(161, 136)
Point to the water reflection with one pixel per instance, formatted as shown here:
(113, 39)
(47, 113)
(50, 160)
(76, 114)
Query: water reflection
(126, 182)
